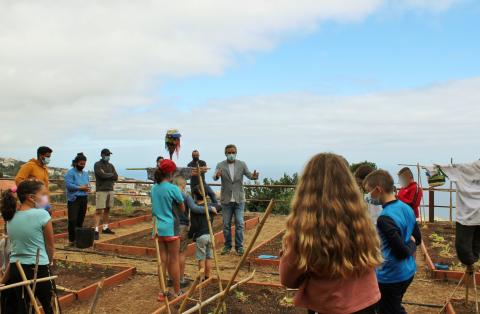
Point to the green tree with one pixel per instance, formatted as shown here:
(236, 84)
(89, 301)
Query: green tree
(355, 166)
(283, 196)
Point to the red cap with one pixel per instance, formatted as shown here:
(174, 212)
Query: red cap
(168, 166)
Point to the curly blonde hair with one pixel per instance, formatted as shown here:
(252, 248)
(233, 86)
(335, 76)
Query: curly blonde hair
(329, 229)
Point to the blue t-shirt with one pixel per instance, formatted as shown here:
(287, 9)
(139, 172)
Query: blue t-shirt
(394, 270)
(163, 195)
(25, 231)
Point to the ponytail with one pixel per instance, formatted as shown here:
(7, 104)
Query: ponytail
(8, 205)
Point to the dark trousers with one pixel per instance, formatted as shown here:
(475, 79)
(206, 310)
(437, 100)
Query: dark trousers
(369, 310)
(467, 243)
(392, 295)
(17, 300)
(76, 215)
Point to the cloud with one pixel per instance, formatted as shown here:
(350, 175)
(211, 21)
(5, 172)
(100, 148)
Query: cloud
(279, 131)
(79, 75)
(57, 53)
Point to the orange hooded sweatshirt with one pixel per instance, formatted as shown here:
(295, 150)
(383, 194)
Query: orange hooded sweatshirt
(33, 169)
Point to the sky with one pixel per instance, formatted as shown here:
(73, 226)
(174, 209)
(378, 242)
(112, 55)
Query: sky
(393, 81)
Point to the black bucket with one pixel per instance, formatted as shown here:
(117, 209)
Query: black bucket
(84, 237)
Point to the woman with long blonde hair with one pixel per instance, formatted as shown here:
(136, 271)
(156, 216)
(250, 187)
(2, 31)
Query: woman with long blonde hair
(331, 248)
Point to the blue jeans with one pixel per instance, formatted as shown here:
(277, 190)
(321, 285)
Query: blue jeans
(228, 211)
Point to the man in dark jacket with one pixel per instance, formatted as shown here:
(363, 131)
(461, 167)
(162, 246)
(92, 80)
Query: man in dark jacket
(105, 177)
(195, 181)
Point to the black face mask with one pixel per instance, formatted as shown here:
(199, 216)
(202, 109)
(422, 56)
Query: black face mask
(196, 158)
(79, 168)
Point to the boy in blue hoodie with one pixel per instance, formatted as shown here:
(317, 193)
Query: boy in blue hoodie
(400, 236)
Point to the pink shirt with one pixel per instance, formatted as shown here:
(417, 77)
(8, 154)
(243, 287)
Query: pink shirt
(329, 295)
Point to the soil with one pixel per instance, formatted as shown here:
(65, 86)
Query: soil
(136, 295)
(440, 242)
(61, 225)
(144, 238)
(462, 308)
(78, 276)
(250, 299)
(271, 248)
(139, 295)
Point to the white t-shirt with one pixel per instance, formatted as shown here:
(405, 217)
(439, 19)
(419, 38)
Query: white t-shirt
(231, 169)
(467, 181)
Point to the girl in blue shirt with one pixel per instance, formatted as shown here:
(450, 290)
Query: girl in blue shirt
(164, 194)
(29, 228)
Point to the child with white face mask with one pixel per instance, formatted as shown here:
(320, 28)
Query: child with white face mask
(29, 229)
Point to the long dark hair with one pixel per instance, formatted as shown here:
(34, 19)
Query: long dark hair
(8, 204)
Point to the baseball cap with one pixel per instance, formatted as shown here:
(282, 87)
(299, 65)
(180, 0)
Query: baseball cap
(106, 152)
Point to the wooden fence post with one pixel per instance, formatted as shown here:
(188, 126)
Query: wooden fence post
(431, 205)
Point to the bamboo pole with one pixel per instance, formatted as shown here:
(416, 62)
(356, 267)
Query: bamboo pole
(25, 283)
(97, 295)
(192, 289)
(475, 289)
(451, 195)
(218, 295)
(35, 274)
(161, 276)
(29, 290)
(66, 289)
(210, 230)
(246, 253)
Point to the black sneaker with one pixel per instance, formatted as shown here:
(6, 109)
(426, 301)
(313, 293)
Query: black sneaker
(108, 231)
(225, 251)
(184, 284)
(169, 283)
(240, 251)
(97, 236)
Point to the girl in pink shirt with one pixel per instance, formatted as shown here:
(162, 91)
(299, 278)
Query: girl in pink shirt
(331, 248)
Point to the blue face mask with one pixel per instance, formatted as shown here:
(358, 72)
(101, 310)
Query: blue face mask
(231, 157)
(46, 160)
(106, 158)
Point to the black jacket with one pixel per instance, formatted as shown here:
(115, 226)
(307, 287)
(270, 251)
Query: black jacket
(198, 225)
(105, 176)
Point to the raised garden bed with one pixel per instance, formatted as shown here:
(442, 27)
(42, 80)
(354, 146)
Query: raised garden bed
(117, 219)
(438, 245)
(247, 298)
(269, 249)
(457, 306)
(141, 244)
(84, 278)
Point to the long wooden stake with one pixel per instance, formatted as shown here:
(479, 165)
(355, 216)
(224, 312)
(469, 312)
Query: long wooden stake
(96, 297)
(192, 289)
(161, 276)
(218, 295)
(475, 289)
(210, 230)
(29, 290)
(246, 253)
(35, 275)
(451, 196)
(453, 292)
(26, 282)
